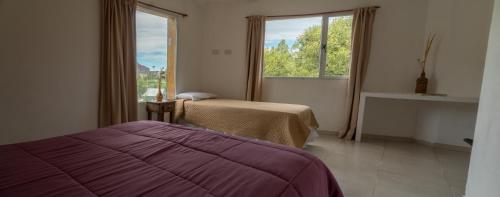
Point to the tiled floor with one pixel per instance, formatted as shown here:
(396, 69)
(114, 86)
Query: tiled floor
(378, 168)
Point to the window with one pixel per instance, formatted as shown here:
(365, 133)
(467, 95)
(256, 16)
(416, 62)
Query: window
(318, 47)
(156, 54)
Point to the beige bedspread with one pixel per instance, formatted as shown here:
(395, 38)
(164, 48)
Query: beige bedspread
(279, 123)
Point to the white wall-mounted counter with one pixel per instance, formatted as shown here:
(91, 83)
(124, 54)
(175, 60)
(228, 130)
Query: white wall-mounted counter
(434, 119)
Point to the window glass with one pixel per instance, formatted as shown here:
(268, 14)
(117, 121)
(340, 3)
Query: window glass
(297, 47)
(292, 47)
(338, 53)
(152, 43)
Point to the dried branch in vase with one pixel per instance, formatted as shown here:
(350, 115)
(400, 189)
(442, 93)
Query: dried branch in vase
(423, 60)
(422, 81)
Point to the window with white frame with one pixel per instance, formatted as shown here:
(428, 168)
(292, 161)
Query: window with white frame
(156, 36)
(308, 47)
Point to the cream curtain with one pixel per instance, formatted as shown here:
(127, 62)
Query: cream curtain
(255, 56)
(117, 88)
(361, 44)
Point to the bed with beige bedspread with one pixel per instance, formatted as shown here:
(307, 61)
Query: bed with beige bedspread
(286, 124)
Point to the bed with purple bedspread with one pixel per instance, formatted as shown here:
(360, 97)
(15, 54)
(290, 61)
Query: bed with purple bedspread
(160, 159)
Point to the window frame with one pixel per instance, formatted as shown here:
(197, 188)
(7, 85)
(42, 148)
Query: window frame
(156, 11)
(167, 15)
(323, 46)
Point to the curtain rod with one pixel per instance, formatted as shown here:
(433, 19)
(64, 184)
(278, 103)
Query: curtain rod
(312, 14)
(159, 8)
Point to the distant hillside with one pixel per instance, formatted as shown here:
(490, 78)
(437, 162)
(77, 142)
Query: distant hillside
(142, 69)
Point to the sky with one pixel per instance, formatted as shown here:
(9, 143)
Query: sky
(289, 30)
(151, 40)
(152, 36)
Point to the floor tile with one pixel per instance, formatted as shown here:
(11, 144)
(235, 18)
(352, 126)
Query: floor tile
(413, 185)
(378, 168)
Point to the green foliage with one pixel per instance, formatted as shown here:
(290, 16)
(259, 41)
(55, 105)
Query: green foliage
(307, 51)
(142, 84)
(338, 57)
(280, 59)
(303, 58)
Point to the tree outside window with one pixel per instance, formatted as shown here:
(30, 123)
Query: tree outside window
(295, 47)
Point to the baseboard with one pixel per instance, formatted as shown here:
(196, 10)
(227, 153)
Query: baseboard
(388, 138)
(453, 147)
(324, 132)
(422, 142)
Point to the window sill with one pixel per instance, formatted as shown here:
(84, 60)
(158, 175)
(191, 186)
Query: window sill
(309, 78)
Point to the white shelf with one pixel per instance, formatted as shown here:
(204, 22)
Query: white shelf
(420, 97)
(403, 96)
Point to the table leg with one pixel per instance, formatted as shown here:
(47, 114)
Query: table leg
(150, 116)
(172, 114)
(161, 116)
(361, 116)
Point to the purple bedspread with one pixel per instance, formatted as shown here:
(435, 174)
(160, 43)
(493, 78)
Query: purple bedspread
(160, 159)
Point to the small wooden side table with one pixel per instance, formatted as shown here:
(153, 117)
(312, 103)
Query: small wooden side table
(161, 108)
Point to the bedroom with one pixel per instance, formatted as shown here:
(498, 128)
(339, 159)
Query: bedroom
(50, 65)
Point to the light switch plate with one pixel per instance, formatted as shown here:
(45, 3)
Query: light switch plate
(215, 52)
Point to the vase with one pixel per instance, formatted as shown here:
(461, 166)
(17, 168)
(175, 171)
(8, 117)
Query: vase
(422, 82)
(159, 96)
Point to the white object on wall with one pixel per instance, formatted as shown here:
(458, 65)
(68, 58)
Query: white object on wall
(484, 169)
(433, 119)
(215, 51)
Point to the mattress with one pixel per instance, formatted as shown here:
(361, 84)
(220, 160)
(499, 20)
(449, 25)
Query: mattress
(286, 124)
(160, 159)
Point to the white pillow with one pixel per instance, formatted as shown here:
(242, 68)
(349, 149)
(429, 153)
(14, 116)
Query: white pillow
(196, 96)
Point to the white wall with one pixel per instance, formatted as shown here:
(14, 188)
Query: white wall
(48, 42)
(455, 68)
(49, 68)
(445, 123)
(399, 34)
(484, 170)
(462, 27)
(400, 30)
(49, 64)
(328, 106)
(390, 117)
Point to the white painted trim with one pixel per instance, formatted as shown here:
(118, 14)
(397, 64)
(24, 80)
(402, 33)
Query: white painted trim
(361, 117)
(309, 78)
